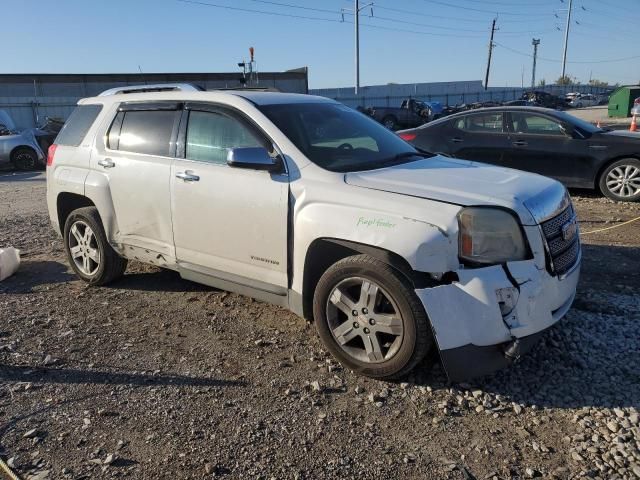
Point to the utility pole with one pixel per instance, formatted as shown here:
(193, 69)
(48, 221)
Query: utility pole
(566, 38)
(356, 13)
(356, 9)
(491, 45)
(535, 42)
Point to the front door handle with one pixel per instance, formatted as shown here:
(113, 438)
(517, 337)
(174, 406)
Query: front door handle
(106, 163)
(188, 176)
(520, 143)
(457, 140)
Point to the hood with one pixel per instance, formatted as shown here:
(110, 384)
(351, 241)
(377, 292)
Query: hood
(467, 183)
(622, 133)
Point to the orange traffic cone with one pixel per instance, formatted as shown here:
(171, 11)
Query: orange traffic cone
(633, 126)
(598, 124)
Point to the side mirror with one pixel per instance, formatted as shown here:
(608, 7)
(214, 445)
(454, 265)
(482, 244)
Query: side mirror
(254, 158)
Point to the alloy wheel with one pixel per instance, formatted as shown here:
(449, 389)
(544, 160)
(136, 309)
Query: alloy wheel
(83, 246)
(364, 320)
(624, 181)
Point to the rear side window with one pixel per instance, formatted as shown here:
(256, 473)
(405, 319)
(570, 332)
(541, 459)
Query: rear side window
(481, 122)
(145, 131)
(77, 125)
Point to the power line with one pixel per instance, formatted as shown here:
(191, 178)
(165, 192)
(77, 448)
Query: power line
(457, 29)
(289, 5)
(437, 2)
(509, 4)
(264, 12)
(289, 15)
(455, 19)
(364, 24)
(575, 62)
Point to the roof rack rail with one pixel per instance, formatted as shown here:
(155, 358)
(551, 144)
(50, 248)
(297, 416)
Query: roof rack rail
(249, 89)
(159, 87)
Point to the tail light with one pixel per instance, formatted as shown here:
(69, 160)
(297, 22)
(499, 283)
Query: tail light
(408, 136)
(51, 153)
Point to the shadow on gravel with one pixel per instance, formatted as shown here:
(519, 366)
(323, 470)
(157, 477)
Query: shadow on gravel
(158, 281)
(22, 177)
(584, 192)
(11, 373)
(35, 273)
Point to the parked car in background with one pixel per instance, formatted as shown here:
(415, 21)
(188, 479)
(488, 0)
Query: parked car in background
(544, 99)
(47, 132)
(18, 148)
(583, 100)
(411, 113)
(520, 103)
(540, 140)
(303, 202)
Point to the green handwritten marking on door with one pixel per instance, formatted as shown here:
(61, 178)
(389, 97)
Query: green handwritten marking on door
(374, 222)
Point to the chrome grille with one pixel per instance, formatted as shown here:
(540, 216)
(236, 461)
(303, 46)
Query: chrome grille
(563, 253)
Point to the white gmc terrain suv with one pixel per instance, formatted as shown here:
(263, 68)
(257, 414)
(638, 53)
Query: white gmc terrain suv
(306, 203)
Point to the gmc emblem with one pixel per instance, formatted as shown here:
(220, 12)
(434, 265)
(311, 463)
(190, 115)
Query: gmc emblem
(570, 229)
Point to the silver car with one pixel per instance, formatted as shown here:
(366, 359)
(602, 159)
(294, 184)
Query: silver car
(18, 148)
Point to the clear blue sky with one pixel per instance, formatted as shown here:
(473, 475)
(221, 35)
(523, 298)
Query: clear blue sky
(429, 40)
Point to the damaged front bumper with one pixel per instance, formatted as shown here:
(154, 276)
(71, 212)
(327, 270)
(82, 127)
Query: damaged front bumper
(492, 315)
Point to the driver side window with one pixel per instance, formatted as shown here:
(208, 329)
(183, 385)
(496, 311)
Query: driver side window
(211, 135)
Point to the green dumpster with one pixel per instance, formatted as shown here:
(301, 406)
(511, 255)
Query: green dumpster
(621, 100)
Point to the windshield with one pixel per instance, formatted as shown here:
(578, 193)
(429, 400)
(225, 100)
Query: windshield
(338, 138)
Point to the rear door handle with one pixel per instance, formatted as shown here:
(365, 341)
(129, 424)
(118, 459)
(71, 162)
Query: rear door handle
(106, 163)
(188, 176)
(520, 143)
(457, 140)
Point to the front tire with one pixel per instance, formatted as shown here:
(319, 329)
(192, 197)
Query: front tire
(369, 317)
(621, 180)
(88, 252)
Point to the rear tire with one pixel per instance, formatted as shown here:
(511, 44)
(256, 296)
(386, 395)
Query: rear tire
(24, 159)
(620, 181)
(369, 317)
(390, 122)
(88, 251)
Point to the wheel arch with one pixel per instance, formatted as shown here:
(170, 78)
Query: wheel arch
(325, 251)
(67, 202)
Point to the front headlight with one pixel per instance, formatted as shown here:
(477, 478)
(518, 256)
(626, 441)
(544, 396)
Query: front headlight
(489, 236)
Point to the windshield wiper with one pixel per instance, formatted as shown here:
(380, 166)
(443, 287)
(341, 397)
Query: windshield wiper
(401, 157)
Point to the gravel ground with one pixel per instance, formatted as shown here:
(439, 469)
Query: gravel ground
(156, 377)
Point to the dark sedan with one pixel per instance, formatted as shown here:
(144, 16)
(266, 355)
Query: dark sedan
(539, 140)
